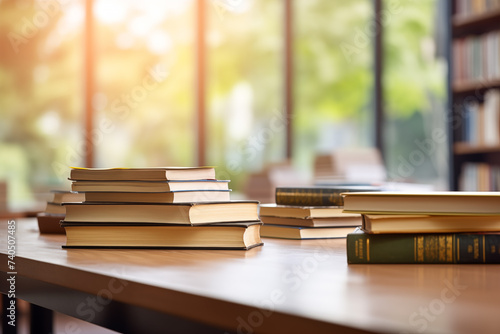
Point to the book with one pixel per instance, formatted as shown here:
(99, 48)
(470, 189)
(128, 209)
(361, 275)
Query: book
(162, 197)
(430, 203)
(55, 208)
(299, 232)
(61, 196)
(217, 236)
(143, 174)
(49, 223)
(430, 223)
(272, 209)
(148, 186)
(313, 222)
(429, 248)
(171, 213)
(316, 195)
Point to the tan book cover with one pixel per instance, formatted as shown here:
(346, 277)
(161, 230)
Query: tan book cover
(143, 174)
(231, 235)
(435, 203)
(170, 213)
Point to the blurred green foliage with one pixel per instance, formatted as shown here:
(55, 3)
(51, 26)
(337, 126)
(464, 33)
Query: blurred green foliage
(41, 80)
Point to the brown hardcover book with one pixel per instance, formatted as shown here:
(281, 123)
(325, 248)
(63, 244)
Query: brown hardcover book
(164, 197)
(148, 186)
(231, 235)
(171, 213)
(431, 203)
(297, 232)
(430, 223)
(143, 174)
(313, 222)
(317, 195)
(50, 223)
(304, 211)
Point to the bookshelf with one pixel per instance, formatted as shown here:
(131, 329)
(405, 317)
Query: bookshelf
(475, 94)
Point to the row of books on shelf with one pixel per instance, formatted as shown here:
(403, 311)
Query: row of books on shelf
(468, 8)
(481, 121)
(476, 57)
(479, 177)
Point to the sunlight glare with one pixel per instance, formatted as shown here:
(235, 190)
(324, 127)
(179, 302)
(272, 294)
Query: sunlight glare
(159, 42)
(110, 11)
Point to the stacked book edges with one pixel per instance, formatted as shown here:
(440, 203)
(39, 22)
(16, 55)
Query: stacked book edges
(436, 227)
(309, 213)
(158, 208)
(55, 211)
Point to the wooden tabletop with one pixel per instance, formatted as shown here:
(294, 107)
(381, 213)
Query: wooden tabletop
(284, 286)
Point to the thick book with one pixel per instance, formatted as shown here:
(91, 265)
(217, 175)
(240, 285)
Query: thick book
(317, 195)
(218, 236)
(149, 186)
(373, 223)
(313, 222)
(50, 223)
(163, 197)
(302, 233)
(143, 174)
(55, 208)
(61, 196)
(303, 211)
(429, 248)
(168, 213)
(431, 203)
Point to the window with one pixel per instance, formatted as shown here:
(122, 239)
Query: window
(334, 77)
(414, 82)
(41, 101)
(245, 115)
(144, 100)
(145, 105)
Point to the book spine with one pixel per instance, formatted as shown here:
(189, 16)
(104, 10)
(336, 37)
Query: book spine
(461, 248)
(309, 197)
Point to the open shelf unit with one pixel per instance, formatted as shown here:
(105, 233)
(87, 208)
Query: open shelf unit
(475, 95)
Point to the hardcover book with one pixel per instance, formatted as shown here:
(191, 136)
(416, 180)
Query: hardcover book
(50, 223)
(168, 213)
(430, 203)
(430, 248)
(231, 235)
(148, 186)
(162, 197)
(143, 174)
(312, 222)
(317, 195)
(430, 223)
(298, 232)
(303, 211)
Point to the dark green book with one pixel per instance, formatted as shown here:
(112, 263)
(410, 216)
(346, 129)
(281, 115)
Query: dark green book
(317, 195)
(439, 248)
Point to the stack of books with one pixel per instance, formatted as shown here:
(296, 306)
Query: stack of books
(435, 227)
(55, 211)
(158, 208)
(309, 213)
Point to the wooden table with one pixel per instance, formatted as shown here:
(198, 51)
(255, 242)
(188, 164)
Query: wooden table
(285, 286)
